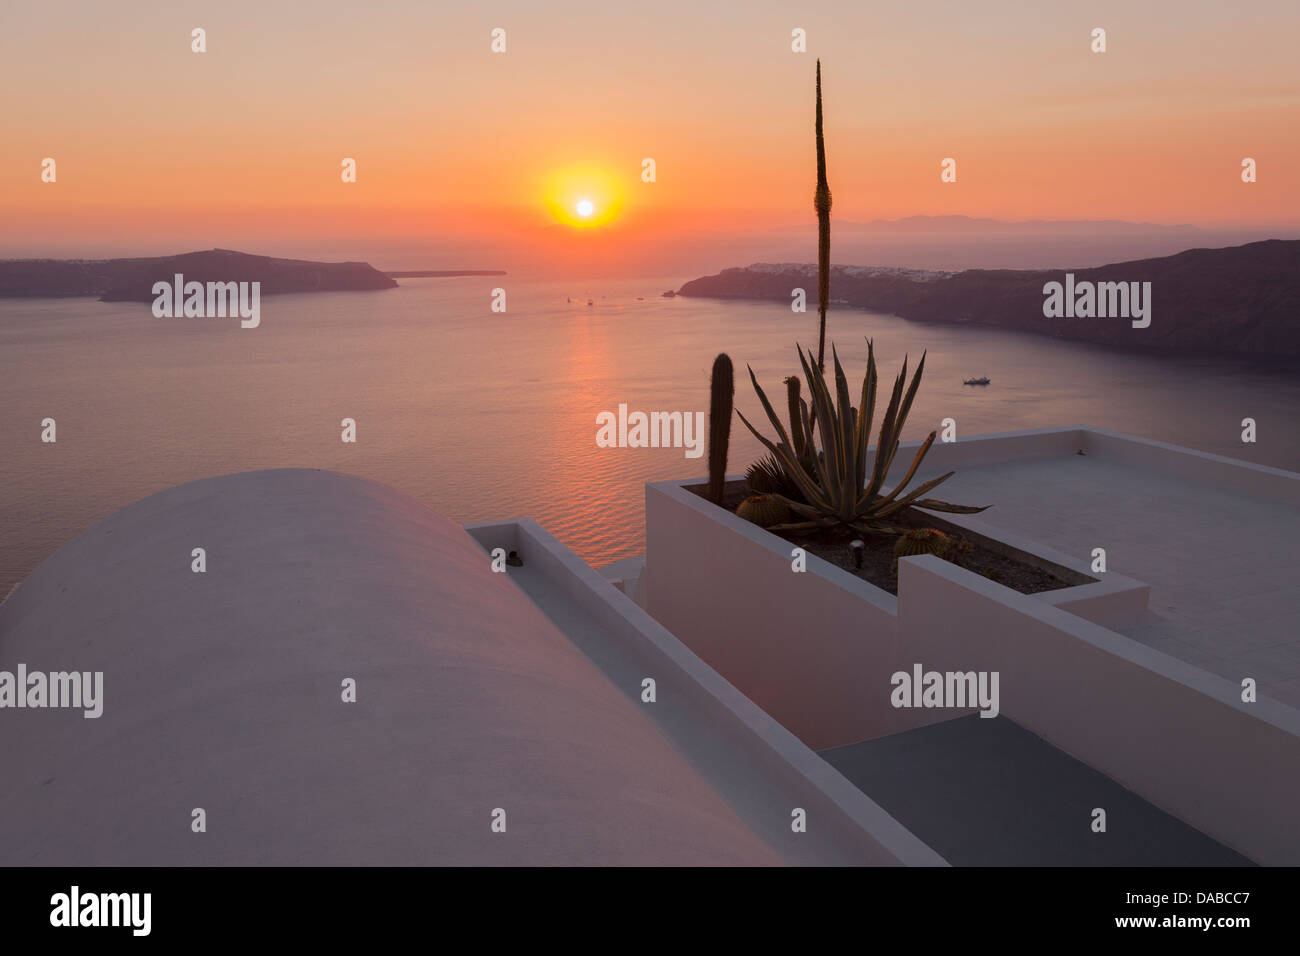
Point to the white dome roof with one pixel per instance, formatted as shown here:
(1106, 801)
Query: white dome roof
(222, 691)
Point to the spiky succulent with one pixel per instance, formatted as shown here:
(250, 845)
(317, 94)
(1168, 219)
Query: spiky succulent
(841, 490)
(766, 477)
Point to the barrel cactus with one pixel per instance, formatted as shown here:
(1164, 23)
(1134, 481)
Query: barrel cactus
(764, 510)
(950, 547)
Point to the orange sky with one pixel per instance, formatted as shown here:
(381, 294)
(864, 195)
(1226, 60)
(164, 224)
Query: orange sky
(160, 149)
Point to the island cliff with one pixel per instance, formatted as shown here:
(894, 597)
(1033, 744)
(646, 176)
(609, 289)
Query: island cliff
(1243, 299)
(132, 280)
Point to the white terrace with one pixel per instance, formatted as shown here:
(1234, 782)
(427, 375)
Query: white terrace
(1142, 674)
(526, 690)
(1216, 540)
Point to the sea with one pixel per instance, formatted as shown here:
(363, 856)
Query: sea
(485, 414)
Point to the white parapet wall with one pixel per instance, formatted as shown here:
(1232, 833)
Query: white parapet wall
(1227, 473)
(1170, 732)
(753, 761)
(799, 645)
(805, 645)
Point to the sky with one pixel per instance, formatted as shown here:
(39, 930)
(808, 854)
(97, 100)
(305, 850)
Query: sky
(463, 154)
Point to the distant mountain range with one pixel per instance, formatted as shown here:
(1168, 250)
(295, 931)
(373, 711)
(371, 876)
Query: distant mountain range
(954, 243)
(444, 273)
(957, 225)
(1243, 300)
(132, 280)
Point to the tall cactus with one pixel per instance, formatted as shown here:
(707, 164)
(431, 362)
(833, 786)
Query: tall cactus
(822, 203)
(722, 389)
(796, 420)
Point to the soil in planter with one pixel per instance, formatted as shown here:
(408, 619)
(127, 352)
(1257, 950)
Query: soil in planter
(878, 556)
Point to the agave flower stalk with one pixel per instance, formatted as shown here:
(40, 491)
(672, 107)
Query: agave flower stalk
(840, 489)
(822, 204)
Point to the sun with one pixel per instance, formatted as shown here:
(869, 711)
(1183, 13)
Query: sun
(585, 195)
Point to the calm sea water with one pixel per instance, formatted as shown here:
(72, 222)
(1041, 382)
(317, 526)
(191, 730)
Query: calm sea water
(486, 415)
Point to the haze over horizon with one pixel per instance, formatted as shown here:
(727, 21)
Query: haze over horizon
(951, 243)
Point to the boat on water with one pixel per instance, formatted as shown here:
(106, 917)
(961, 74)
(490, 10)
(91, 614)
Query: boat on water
(669, 294)
(591, 302)
(982, 380)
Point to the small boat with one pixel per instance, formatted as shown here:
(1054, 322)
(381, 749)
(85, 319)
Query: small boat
(568, 298)
(983, 380)
(590, 302)
(669, 294)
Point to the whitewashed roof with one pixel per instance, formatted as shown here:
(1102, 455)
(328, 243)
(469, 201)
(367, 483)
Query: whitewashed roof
(222, 691)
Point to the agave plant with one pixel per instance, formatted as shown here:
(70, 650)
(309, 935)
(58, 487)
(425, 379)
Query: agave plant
(839, 489)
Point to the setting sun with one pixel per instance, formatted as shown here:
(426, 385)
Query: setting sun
(583, 195)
